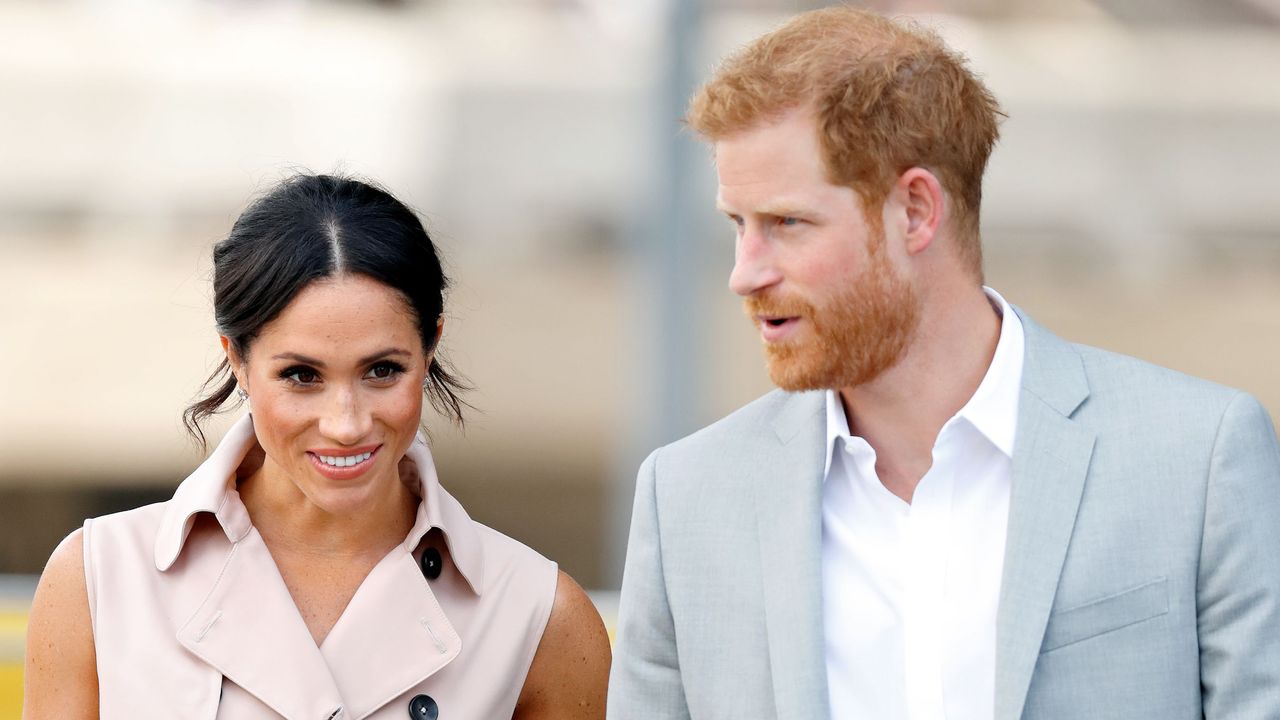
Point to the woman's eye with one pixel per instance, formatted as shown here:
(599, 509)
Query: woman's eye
(300, 375)
(384, 371)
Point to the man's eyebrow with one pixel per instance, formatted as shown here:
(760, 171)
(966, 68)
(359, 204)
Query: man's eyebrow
(779, 210)
(387, 352)
(784, 210)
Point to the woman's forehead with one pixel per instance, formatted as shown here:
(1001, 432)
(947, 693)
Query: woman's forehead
(343, 317)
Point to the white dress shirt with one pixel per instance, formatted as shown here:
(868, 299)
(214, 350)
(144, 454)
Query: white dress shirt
(910, 590)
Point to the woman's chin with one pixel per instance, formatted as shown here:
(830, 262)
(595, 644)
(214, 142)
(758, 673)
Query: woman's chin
(343, 497)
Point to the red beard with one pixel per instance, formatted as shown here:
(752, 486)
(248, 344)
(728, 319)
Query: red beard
(856, 334)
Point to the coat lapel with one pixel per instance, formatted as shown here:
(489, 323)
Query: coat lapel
(392, 636)
(247, 626)
(788, 503)
(1050, 461)
(249, 629)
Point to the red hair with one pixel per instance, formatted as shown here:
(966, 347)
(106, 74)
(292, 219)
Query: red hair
(887, 95)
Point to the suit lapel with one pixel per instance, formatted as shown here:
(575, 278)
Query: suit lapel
(788, 504)
(1050, 461)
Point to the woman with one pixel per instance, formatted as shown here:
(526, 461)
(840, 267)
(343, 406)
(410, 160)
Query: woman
(313, 567)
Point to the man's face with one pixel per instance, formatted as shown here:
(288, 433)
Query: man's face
(817, 277)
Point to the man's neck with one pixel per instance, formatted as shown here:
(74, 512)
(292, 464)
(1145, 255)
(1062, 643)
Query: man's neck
(901, 412)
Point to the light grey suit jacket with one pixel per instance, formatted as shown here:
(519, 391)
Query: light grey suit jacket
(1141, 577)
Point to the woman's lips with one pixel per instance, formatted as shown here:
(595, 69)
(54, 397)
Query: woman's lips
(775, 329)
(343, 471)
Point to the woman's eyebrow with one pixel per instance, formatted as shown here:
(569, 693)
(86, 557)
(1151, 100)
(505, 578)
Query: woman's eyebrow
(387, 352)
(298, 358)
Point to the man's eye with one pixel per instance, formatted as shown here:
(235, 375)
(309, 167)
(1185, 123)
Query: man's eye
(788, 221)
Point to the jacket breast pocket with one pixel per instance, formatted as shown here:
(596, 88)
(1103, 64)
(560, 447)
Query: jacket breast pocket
(1106, 614)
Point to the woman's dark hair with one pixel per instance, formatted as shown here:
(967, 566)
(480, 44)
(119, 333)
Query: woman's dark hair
(311, 227)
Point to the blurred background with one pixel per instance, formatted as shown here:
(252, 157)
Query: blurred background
(1133, 202)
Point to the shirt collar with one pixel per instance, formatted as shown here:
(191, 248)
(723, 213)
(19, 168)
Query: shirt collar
(993, 408)
(837, 426)
(211, 489)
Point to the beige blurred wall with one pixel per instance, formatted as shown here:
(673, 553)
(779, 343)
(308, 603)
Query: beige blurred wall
(1131, 204)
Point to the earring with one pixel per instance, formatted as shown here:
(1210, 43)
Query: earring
(426, 383)
(244, 396)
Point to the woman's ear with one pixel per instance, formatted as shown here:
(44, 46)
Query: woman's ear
(435, 341)
(234, 360)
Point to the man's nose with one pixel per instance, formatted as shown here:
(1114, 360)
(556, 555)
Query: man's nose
(346, 420)
(754, 266)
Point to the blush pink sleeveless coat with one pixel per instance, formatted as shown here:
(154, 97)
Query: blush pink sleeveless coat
(191, 618)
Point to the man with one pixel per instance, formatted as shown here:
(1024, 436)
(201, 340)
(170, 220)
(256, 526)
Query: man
(946, 511)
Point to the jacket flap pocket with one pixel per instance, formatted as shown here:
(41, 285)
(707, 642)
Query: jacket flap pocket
(1106, 614)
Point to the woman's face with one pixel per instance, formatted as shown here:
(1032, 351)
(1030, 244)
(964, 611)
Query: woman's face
(335, 386)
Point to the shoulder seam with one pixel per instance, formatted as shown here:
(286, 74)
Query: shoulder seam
(89, 584)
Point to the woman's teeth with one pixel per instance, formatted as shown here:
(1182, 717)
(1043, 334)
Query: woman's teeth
(346, 461)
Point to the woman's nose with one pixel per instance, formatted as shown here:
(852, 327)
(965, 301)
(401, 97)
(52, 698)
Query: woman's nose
(345, 420)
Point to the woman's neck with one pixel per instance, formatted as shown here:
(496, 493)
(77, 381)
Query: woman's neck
(289, 520)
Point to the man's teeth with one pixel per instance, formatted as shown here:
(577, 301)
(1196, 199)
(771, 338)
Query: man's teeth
(344, 461)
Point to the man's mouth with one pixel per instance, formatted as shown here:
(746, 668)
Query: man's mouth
(773, 328)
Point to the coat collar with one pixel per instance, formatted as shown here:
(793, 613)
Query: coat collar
(1050, 467)
(788, 503)
(211, 489)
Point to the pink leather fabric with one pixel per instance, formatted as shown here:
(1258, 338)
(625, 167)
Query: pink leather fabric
(191, 618)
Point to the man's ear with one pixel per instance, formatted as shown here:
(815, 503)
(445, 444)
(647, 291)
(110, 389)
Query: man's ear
(919, 195)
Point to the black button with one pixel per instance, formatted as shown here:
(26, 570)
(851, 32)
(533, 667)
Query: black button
(423, 707)
(432, 564)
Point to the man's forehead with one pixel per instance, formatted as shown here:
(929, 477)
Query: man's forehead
(783, 185)
(781, 206)
(763, 152)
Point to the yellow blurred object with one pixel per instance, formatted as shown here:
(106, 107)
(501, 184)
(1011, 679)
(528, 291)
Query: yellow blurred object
(11, 691)
(13, 630)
